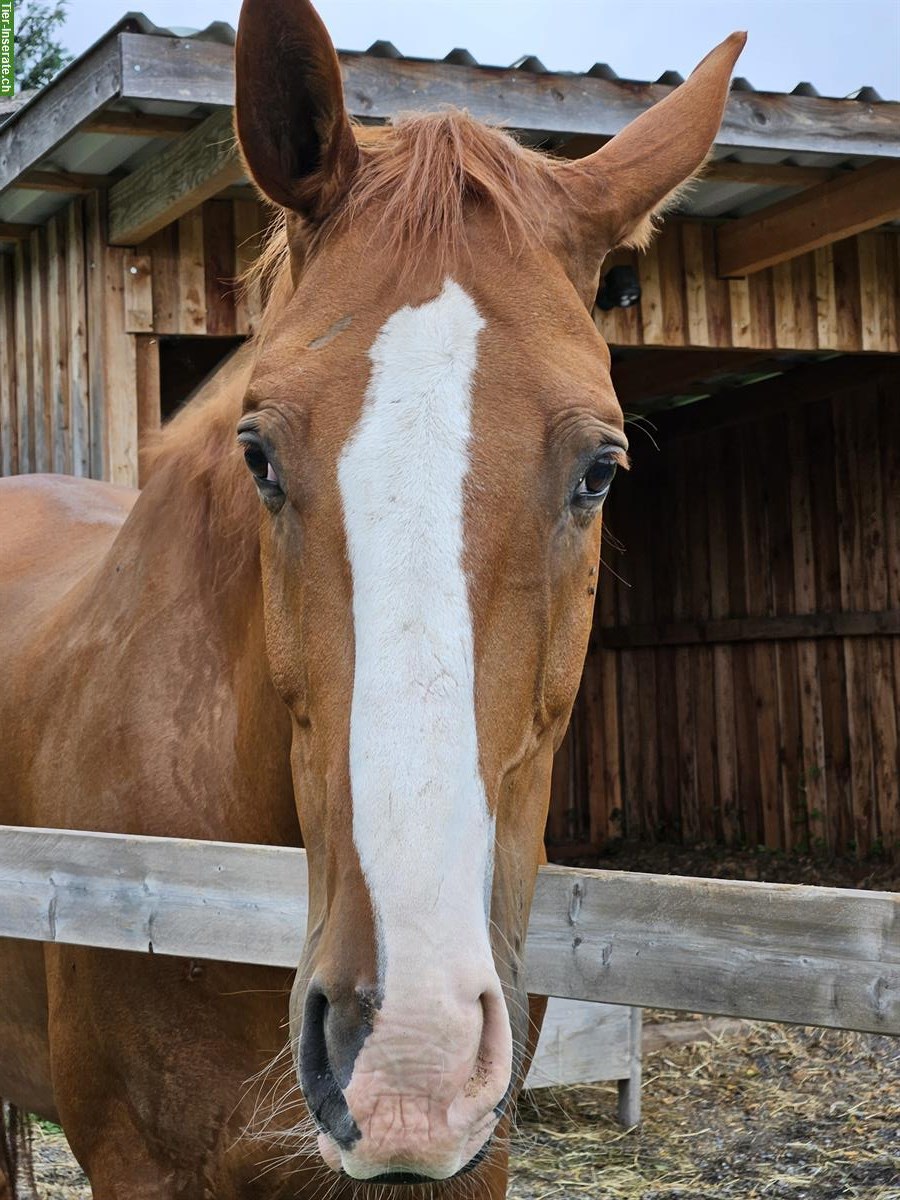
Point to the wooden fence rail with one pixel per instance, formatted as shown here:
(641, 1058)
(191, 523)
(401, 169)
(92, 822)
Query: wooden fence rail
(778, 952)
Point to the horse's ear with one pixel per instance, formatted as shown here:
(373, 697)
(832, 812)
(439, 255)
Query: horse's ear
(292, 126)
(622, 184)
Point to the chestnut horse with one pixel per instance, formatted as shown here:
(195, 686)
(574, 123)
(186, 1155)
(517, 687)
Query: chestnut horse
(353, 599)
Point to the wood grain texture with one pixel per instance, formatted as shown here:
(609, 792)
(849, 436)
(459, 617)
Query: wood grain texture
(36, 130)
(760, 596)
(584, 1042)
(838, 297)
(811, 955)
(839, 208)
(172, 183)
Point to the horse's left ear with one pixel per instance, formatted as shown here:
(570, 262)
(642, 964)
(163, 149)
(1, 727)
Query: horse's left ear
(619, 187)
(291, 122)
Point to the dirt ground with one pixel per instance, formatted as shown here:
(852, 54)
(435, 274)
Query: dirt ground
(767, 866)
(763, 1112)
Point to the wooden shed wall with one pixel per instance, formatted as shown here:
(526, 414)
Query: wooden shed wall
(762, 539)
(67, 380)
(843, 297)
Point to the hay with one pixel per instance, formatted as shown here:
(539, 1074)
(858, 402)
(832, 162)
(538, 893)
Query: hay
(778, 1113)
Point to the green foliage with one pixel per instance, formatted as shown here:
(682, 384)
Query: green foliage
(39, 53)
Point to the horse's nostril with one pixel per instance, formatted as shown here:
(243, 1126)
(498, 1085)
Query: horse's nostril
(317, 1078)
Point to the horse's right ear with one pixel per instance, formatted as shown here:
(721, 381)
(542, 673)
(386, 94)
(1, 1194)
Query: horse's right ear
(292, 126)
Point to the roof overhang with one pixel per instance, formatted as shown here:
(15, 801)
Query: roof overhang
(119, 106)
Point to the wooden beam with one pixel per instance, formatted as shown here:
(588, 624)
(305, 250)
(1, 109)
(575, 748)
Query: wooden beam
(658, 371)
(751, 629)
(812, 382)
(776, 175)
(10, 232)
(849, 204)
(376, 89)
(773, 952)
(720, 170)
(186, 173)
(73, 182)
(139, 124)
(35, 131)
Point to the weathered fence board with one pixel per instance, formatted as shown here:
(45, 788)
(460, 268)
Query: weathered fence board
(818, 956)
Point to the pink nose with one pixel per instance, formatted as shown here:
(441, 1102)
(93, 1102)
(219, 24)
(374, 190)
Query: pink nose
(427, 1083)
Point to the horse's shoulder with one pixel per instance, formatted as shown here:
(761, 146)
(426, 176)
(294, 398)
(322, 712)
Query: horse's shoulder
(53, 528)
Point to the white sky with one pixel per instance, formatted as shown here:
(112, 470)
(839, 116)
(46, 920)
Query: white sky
(838, 45)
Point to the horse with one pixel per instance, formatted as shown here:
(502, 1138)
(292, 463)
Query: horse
(349, 610)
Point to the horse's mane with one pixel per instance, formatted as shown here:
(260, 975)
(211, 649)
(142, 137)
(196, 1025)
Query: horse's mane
(194, 467)
(421, 178)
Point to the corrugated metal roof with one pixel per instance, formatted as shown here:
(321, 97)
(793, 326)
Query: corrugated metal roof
(224, 34)
(105, 153)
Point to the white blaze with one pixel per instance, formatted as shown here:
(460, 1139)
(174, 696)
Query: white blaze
(421, 823)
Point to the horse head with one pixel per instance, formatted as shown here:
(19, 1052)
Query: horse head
(432, 431)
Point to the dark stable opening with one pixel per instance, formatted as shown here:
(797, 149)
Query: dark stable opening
(185, 363)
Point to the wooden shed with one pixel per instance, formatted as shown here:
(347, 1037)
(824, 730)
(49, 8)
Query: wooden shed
(744, 671)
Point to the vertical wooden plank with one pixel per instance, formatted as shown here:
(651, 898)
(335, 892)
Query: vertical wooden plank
(857, 664)
(889, 252)
(626, 327)
(688, 802)
(9, 450)
(219, 267)
(723, 677)
(58, 347)
(557, 833)
(718, 292)
(813, 767)
(162, 249)
(823, 464)
(24, 358)
(845, 256)
(889, 442)
(590, 699)
(671, 271)
(612, 743)
(879, 651)
(137, 289)
(95, 257)
(695, 464)
(869, 292)
(803, 276)
(762, 310)
(826, 300)
(191, 300)
(249, 223)
(122, 434)
(694, 283)
(649, 743)
(111, 355)
(77, 333)
(741, 320)
(632, 750)
(40, 385)
(763, 659)
(653, 328)
(149, 406)
(778, 468)
(783, 297)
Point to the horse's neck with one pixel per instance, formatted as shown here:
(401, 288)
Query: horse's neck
(174, 658)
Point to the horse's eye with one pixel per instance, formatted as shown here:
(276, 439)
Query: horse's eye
(260, 468)
(596, 481)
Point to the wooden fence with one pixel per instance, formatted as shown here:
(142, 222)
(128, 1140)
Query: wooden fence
(819, 956)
